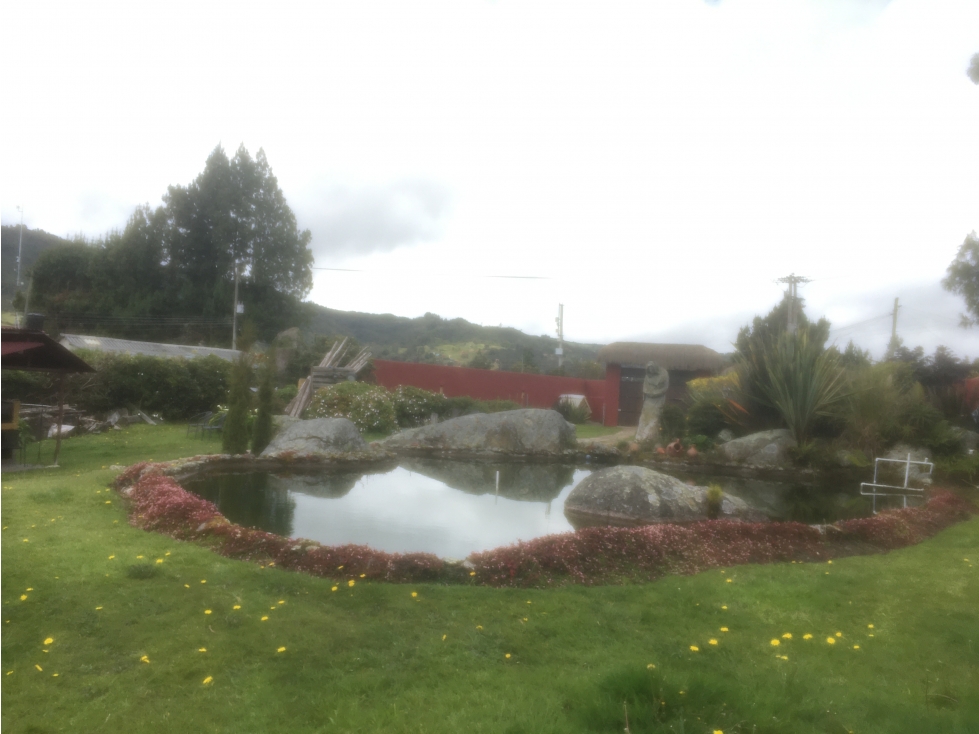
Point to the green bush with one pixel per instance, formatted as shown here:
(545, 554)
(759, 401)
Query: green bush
(236, 431)
(171, 387)
(414, 406)
(262, 430)
(369, 406)
(715, 496)
(465, 405)
(284, 396)
(673, 422)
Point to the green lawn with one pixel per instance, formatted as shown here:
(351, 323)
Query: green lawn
(132, 642)
(593, 430)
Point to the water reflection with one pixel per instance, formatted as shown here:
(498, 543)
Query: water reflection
(447, 508)
(524, 482)
(252, 500)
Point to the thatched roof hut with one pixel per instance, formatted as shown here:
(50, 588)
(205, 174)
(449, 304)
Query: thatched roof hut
(673, 357)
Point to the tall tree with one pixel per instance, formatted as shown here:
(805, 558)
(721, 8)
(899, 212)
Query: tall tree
(962, 277)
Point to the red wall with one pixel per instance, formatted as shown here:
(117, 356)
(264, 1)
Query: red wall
(530, 391)
(613, 378)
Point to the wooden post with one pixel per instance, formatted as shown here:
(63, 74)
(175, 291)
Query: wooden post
(61, 417)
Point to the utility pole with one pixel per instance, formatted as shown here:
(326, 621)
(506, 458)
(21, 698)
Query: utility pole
(894, 321)
(234, 316)
(20, 242)
(793, 282)
(560, 335)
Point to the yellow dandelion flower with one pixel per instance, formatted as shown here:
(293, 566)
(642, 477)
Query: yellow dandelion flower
(48, 640)
(281, 649)
(807, 636)
(272, 607)
(207, 611)
(39, 667)
(30, 588)
(787, 636)
(186, 586)
(159, 560)
(694, 648)
(828, 561)
(144, 659)
(724, 629)
(507, 656)
(265, 619)
(282, 601)
(870, 626)
(650, 666)
(856, 647)
(363, 575)
(203, 581)
(472, 573)
(530, 602)
(23, 597)
(236, 606)
(138, 557)
(524, 619)
(98, 609)
(167, 553)
(201, 649)
(870, 635)
(785, 657)
(271, 563)
(776, 643)
(339, 568)
(718, 731)
(333, 589)
(443, 637)
(839, 634)
(10, 672)
(724, 606)
(414, 594)
(112, 556)
(831, 640)
(712, 641)
(207, 681)
(351, 582)
(729, 580)
(108, 502)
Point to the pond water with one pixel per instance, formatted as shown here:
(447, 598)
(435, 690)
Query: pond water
(453, 508)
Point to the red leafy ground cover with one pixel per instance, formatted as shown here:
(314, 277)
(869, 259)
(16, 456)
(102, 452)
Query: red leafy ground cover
(594, 555)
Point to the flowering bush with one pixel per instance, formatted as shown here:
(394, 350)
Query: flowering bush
(368, 406)
(413, 406)
(588, 556)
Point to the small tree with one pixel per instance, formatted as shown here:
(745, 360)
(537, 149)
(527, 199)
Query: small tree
(234, 437)
(262, 435)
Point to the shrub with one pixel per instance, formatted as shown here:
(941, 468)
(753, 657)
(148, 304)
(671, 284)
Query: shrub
(576, 413)
(414, 406)
(714, 406)
(262, 431)
(369, 406)
(715, 496)
(234, 436)
(673, 422)
(283, 396)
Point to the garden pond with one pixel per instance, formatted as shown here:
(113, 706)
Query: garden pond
(454, 508)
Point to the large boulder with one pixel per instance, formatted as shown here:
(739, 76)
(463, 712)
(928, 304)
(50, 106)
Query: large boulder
(318, 437)
(892, 472)
(766, 448)
(526, 432)
(637, 495)
(524, 481)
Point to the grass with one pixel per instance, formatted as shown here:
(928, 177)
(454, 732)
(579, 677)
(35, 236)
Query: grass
(593, 430)
(372, 657)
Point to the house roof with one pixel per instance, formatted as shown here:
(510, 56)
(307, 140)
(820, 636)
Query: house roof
(687, 357)
(151, 349)
(35, 351)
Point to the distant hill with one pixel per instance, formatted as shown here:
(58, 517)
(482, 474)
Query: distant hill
(430, 338)
(36, 241)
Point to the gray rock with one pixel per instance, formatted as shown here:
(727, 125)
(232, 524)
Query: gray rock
(529, 432)
(282, 422)
(637, 495)
(318, 437)
(767, 448)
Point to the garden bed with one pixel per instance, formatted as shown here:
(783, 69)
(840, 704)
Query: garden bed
(598, 555)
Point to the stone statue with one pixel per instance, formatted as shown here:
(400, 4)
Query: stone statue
(654, 389)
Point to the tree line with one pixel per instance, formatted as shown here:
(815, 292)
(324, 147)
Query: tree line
(170, 272)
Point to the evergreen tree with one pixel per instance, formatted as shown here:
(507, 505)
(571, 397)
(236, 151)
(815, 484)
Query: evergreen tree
(262, 435)
(234, 437)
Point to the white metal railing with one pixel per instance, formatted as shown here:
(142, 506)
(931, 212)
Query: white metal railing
(904, 491)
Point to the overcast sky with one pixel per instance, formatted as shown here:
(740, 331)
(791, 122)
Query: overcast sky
(658, 165)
